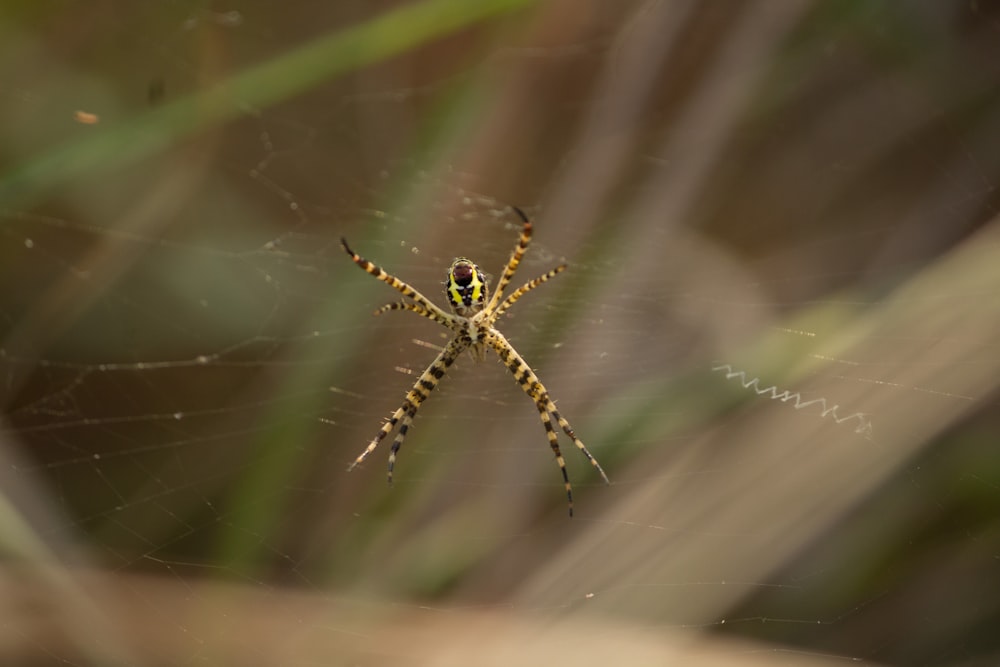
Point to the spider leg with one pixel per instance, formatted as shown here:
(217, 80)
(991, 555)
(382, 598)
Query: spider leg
(402, 305)
(550, 433)
(419, 310)
(513, 262)
(421, 390)
(399, 286)
(568, 430)
(524, 289)
(534, 388)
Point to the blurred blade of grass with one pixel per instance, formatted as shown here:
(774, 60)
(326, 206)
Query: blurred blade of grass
(385, 36)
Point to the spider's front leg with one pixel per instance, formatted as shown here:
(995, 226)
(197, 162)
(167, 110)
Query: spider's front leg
(421, 390)
(424, 306)
(515, 260)
(524, 289)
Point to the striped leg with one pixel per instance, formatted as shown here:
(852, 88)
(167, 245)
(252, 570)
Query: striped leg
(402, 305)
(568, 430)
(524, 289)
(550, 433)
(418, 309)
(414, 398)
(534, 388)
(513, 262)
(397, 284)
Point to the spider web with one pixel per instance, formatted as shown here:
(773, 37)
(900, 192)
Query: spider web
(777, 333)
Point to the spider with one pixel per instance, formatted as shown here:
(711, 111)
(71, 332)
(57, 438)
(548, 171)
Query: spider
(472, 319)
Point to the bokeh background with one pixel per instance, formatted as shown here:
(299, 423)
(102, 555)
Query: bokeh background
(778, 332)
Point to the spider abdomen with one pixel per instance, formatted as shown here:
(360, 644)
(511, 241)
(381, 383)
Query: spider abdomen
(466, 287)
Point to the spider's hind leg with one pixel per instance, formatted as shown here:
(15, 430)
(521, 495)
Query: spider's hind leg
(420, 392)
(398, 442)
(568, 430)
(550, 433)
(534, 388)
(382, 432)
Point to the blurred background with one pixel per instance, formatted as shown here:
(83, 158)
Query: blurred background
(778, 332)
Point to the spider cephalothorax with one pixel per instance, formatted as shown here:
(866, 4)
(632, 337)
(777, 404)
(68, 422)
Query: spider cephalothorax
(472, 319)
